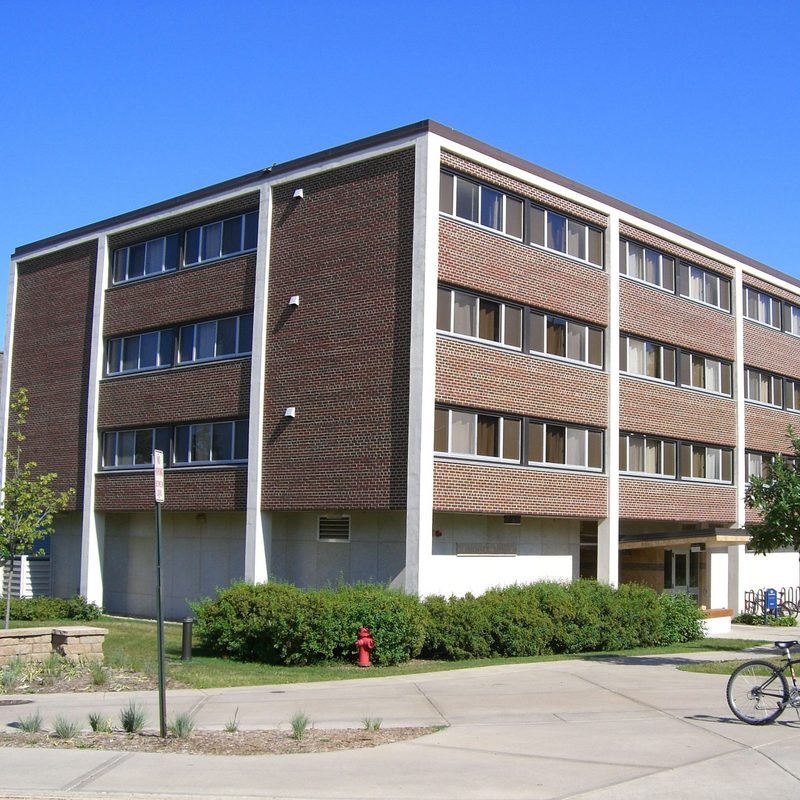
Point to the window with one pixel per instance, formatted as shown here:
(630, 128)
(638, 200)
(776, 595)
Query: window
(791, 319)
(649, 266)
(703, 286)
(479, 318)
(638, 357)
(147, 258)
(762, 308)
(566, 235)
(552, 335)
(792, 395)
(469, 433)
(553, 444)
(220, 239)
(216, 240)
(211, 442)
(144, 351)
(700, 462)
(480, 204)
(763, 387)
(215, 339)
(700, 372)
(644, 455)
(133, 448)
(757, 464)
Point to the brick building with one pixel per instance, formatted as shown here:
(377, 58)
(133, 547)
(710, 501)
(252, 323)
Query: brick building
(412, 359)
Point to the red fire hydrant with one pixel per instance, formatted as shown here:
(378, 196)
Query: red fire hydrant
(364, 643)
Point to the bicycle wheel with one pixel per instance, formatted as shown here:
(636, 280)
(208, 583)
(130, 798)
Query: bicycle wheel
(757, 692)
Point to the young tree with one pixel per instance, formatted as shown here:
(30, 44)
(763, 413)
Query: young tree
(29, 503)
(777, 498)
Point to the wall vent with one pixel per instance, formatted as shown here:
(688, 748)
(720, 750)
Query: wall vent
(334, 529)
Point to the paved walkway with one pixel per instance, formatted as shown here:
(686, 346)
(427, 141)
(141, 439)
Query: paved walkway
(597, 729)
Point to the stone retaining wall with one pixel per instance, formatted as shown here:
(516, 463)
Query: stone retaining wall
(74, 643)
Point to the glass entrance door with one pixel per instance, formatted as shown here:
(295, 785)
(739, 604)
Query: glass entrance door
(682, 571)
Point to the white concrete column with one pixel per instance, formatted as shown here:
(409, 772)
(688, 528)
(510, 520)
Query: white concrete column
(5, 392)
(718, 575)
(93, 523)
(736, 554)
(422, 367)
(608, 528)
(258, 526)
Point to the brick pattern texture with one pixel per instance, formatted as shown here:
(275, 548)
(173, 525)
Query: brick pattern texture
(52, 340)
(487, 378)
(211, 391)
(765, 428)
(489, 263)
(342, 357)
(667, 411)
(677, 501)
(213, 489)
(219, 289)
(482, 489)
(771, 350)
(664, 317)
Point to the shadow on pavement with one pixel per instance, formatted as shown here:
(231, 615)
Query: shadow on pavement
(650, 661)
(784, 723)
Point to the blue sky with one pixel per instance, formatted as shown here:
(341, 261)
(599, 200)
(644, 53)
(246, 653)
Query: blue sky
(689, 110)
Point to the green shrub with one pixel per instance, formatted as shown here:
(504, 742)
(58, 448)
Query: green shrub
(457, 628)
(517, 624)
(681, 619)
(46, 608)
(277, 623)
(634, 618)
(758, 619)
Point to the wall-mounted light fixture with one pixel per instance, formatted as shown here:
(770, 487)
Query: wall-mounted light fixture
(298, 194)
(294, 300)
(290, 412)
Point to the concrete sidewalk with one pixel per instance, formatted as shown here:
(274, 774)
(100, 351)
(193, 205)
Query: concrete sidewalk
(619, 728)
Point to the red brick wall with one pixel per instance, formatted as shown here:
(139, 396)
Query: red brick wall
(491, 379)
(487, 262)
(217, 390)
(676, 501)
(342, 356)
(765, 428)
(219, 289)
(483, 489)
(771, 350)
(213, 489)
(663, 410)
(665, 317)
(771, 289)
(52, 342)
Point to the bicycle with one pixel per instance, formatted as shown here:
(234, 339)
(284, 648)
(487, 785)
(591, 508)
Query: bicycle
(758, 692)
(785, 608)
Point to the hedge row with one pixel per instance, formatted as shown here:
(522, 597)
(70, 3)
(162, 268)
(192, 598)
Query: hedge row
(278, 623)
(45, 608)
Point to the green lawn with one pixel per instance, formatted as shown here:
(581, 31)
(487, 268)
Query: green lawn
(132, 643)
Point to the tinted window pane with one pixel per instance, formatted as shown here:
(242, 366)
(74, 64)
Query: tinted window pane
(172, 251)
(535, 442)
(443, 300)
(441, 423)
(668, 273)
(576, 236)
(136, 261)
(576, 447)
(212, 241)
(130, 353)
(488, 435)
(489, 321)
(186, 351)
(595, 254)
(556, 232)
(595, 347)
(466, 200)
(652, 269)
(240, 445)
(513, 327)
(511, 438)
(514, 209)
(536, 332)
(462, 434)
(595, 454)
(148, 350)
(537, 225)
(576, 341)
(251, 230)
(222, 441)
(182, 444)
(192, 249)
(245, 333)
(555, 441)
(201, 442)
(144, 447)
(165, 348)
(114, 355)
(556, 336)
(109, 449)
(205, 339)
(154, 257)
(635, 261)
(465, 321)
(669, 458)
(491, 208)
(120, 265)
(126, 441)
(446, 193)
(232, 235)
(226, 337)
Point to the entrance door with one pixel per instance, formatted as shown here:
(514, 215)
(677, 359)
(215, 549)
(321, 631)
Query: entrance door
(682, 572)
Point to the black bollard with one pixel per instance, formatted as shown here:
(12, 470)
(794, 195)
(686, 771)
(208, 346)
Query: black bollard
(186, 649)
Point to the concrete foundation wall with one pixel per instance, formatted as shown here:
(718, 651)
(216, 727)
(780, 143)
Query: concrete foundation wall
(65, 556)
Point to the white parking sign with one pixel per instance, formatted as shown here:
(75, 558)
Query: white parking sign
(158, 463)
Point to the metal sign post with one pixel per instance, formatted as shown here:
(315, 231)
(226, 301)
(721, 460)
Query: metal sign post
(158, 464)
